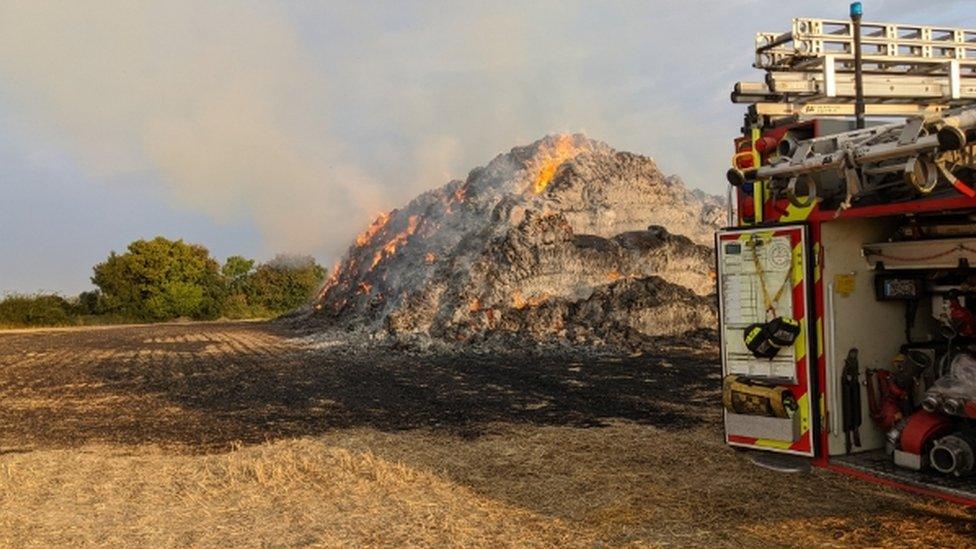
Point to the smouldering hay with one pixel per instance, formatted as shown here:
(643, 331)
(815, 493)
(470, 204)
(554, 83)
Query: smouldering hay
(563, 241)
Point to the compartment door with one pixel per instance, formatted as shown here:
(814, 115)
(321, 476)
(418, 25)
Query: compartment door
(748, 260)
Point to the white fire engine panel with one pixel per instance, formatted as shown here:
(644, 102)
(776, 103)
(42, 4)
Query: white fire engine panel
(743, 301)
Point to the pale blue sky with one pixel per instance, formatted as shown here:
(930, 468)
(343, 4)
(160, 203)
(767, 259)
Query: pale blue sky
(261, 127)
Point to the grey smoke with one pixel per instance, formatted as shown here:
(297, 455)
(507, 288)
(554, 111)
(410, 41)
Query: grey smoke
(307, 119)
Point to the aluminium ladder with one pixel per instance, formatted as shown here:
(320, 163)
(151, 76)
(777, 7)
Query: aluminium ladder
(908, 69)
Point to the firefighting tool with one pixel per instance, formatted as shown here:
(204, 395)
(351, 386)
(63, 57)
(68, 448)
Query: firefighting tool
(961, 186)
(765, 339)
(851, 401)
(742, 395)
(890, 392)
(895, 161)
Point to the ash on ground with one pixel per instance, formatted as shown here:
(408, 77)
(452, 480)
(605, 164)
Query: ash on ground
(564, 242)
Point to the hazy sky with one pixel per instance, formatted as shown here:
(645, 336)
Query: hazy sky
(264, 127)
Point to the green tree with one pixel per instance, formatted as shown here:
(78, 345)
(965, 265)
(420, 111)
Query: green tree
(236, 268)
(91, 303)
(161, 279)
(284, 283)
(236, 272)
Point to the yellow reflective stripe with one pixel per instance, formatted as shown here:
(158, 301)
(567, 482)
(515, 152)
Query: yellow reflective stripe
(797, 264)
(800, 345)
(770, 443)
(797, 214)
(804, 404)
(820, 340)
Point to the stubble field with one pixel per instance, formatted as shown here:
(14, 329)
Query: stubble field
(243, 434)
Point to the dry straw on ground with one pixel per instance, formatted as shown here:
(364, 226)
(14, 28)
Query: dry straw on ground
(519, 486)
(523, 480)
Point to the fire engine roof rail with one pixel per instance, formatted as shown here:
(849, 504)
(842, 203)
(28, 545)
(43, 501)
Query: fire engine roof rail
(886, 47)
(908, 69)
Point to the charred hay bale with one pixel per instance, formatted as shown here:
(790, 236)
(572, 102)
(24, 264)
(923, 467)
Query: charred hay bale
(565, 239)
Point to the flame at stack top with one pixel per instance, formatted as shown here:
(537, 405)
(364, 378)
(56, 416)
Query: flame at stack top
(562, 151)
(450, 213)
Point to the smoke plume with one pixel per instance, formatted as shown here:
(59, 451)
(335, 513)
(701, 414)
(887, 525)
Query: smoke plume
(216, 100)
(306, 119)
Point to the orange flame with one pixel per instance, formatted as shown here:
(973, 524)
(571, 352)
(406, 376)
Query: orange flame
(390, 247)
(562, 152)
(374, 228)
(365, 287)
(430, 257)
(331, 282)
(613, 276)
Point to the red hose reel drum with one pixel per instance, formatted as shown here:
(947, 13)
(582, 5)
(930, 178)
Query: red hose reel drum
(921, 428)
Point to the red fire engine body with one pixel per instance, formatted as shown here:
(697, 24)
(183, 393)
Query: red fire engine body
(845, 278)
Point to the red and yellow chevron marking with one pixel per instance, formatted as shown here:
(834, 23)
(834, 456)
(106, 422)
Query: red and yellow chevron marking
(801, 391)
(794, 213)
(782, 211)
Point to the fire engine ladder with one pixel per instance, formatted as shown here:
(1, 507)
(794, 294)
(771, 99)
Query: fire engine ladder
(908, 69)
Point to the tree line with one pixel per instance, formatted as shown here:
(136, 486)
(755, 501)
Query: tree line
(160, 279)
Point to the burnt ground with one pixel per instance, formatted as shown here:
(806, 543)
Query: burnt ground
(206, 387)
(242, 434)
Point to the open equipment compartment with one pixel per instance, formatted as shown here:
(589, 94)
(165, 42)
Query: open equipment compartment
(878, 282)
(898, 296)
(867, 365)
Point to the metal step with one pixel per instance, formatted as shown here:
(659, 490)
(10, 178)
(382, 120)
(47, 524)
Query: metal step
(780, 463)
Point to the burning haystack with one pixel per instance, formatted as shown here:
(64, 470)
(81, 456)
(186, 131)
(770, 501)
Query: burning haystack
(562, 240)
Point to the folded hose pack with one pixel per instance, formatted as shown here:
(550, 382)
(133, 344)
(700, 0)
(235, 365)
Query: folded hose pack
(742, 395)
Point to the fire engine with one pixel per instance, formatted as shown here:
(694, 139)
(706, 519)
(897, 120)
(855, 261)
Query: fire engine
(847, 275)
